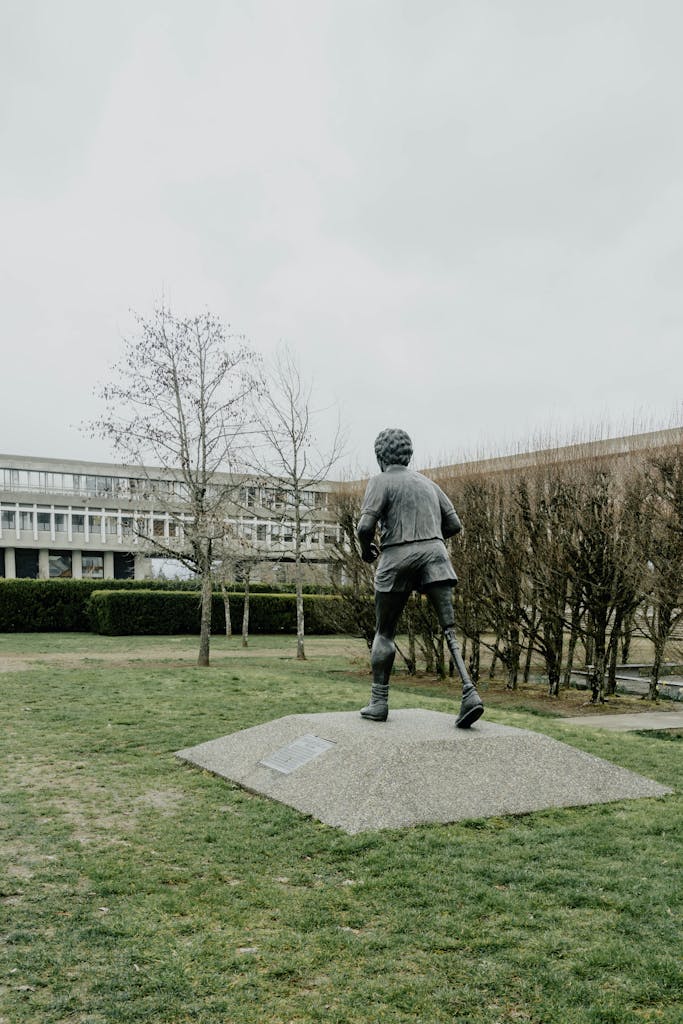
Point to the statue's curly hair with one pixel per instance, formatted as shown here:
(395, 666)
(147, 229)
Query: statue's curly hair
(393, 447)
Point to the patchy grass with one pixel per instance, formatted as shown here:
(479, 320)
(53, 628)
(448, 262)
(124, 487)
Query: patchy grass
(136, 889)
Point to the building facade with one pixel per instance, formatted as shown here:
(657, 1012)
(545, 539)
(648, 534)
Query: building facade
(64, 518)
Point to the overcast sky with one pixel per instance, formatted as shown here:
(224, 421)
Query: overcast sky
(465, 218)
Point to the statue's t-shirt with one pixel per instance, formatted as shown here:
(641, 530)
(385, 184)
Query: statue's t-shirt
(409, 507)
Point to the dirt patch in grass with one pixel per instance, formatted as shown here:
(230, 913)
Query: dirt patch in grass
(533, 697)
(165, 653)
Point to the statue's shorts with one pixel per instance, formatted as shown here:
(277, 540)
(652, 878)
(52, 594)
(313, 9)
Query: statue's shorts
(415, 565)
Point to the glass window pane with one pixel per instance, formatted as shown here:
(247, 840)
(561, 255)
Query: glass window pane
(93, 567)
(60, 565)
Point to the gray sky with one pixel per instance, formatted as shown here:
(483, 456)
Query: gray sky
(465, 218)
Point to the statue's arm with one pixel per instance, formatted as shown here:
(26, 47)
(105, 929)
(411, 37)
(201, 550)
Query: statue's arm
(450, 524)
(365, 531)
(450, 521)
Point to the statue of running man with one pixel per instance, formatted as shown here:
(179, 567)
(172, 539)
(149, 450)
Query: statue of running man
(415, 518)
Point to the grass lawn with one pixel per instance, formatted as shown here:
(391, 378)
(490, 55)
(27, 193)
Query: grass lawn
(134, 888)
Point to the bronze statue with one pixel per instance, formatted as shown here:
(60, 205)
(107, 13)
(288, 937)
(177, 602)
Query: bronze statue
(415, 517)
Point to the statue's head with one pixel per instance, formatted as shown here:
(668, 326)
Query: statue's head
(393, 447)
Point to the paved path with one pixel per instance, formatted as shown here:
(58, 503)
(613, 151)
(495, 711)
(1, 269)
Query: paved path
(627, 723)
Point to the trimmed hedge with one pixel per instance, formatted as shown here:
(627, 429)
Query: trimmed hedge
(61, 606)
(164, 613)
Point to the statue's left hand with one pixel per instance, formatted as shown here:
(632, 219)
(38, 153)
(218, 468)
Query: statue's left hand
(370, 553)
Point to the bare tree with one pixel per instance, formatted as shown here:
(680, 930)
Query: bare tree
(288, 457)
(472, 554)
(235, 557)
(662, 608)
(179, 402)
(605, 560)
(354, 580)
(545, 499)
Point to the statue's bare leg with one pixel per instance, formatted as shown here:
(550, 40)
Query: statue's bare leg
(388, 608)
(471, 706)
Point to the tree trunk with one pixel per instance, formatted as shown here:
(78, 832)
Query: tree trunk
(514, 653)
(440, 660)
(626, 637)
(300, 625)
(527, 660)
(475, 659)
(662, 630)
(245, 613)
(205, 621)
(410, 662)
(226, 605)
(554, 678)
(495, 656)
(571, 643)
(613, 654)
(571, 647)
(598, 675)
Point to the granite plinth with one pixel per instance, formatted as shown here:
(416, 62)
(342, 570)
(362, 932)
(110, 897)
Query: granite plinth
(415, 768)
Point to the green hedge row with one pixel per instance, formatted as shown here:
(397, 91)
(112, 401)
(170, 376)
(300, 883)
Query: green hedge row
(61, 606)
(163, 613)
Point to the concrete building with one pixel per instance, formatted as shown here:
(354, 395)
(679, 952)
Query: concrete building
(62, 518)
(615, 450)
(65, 518)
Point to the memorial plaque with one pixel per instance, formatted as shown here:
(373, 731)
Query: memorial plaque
(302, 750)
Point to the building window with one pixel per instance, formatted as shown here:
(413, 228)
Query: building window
(93, 567)
(8, 520)
(44, 521)
(60, 565)
(60, 522)
(26, 564)
(261, 531)
(78, 523)
(249, 496)
(26, 520)
(124, 565)
(276, 497)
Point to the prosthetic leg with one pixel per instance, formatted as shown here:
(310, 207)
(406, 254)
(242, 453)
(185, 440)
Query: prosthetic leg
(471, 705)
(388, 608)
